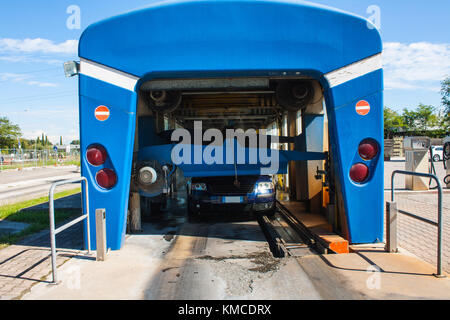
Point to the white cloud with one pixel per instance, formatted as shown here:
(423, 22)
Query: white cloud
(37, 45)
(12, 77)
(23, 78)
(32, 134)
(56, 122)
(27, 58)
(419, 65)
(43, 84)
(53, 136)
(37, 50)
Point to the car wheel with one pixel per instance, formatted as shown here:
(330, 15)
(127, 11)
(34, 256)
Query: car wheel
(436, 158)
(191, 215)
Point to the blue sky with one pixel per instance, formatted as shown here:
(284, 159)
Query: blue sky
(35, 41)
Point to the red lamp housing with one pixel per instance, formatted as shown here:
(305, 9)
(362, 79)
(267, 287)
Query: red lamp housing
(368, 149)
(96, 155)
(106, 178)
(359, 172)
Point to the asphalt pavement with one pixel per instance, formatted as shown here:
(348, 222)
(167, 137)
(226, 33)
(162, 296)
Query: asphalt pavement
(29, 183)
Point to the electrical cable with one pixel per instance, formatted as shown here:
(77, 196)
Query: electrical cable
(33, 97)
(432, 169)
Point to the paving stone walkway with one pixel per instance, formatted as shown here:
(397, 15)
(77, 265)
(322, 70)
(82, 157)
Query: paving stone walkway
(28, 263)
(419, 237)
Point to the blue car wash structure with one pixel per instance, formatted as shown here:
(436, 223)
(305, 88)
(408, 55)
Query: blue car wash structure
(235, 64)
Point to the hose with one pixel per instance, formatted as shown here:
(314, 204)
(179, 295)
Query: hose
(447, 179)
(432, 169)
(446, 153)
(446, 157)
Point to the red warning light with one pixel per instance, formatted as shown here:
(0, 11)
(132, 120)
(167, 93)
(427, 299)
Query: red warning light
(359, 172)
(106, 178)
(96, 155)
(368, 149)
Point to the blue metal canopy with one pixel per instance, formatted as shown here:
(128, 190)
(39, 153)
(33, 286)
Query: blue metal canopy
(224, 36)
(205, 39)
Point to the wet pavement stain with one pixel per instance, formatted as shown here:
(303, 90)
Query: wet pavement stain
(264, 261)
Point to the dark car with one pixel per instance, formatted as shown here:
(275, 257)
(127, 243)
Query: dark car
(252, 194)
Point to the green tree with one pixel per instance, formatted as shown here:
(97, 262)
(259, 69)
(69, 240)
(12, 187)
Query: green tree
(75, 142)
(393, 122)
(409, 119)
(445, 92)
(26, 143)
(426, 117)
(9, 133)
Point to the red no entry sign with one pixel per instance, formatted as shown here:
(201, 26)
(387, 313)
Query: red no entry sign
(102, 113)
(362, 107)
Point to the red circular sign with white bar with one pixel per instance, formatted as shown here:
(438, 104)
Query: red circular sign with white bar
(102, 113)
(362, 107)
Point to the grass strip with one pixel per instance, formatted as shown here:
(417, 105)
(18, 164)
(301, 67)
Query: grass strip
(38, 220)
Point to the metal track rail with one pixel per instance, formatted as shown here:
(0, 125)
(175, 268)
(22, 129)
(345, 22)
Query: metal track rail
(276, 243)
(310, 238)
(286, 237)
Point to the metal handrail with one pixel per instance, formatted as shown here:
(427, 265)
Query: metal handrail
(54, 232)
(437, 224)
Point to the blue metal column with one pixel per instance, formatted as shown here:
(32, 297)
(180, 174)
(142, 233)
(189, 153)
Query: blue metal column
(116, 134)
(363, 203)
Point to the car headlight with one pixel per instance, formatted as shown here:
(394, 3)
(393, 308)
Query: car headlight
(199, 186)
(264, 187)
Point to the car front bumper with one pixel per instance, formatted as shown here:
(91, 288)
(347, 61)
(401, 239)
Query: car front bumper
(248, 203)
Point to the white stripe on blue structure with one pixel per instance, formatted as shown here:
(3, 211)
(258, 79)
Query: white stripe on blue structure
(107, 74)
(354, 70)
(128, 81)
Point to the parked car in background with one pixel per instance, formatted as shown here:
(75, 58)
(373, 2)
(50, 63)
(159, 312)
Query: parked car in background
(252, 194)
(437, 153)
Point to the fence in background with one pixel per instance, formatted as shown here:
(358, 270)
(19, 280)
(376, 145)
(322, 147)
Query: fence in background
(21, 158)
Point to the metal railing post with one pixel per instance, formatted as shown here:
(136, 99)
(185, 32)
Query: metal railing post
(86, 210)
(440, 222)
(54, 232)
(391, 227)
(439, 273)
